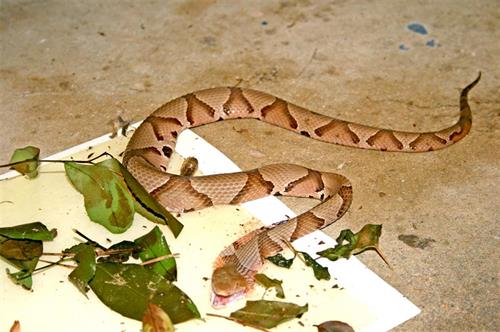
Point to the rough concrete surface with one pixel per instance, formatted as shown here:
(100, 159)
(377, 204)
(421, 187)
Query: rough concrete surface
(69, 67)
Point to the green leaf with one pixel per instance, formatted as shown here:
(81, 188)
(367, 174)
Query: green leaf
(281, 261)
(107, 200)
(22, 246)
(156, 320)
(267, 283)
(320, 271)
(268, 314)
(28, 159)
(20, 250)
(84, 272)
(334, 326)
(129, 288)
(147, 206)
(23, 254)
(31, 231)
(366, 238)
(112, 164)
(22, 278)
(153, 245)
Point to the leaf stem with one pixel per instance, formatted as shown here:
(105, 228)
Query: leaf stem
(238, 321)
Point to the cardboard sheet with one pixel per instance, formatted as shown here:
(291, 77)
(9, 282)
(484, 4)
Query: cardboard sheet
(354, 295)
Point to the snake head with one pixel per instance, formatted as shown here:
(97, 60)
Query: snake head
(228, 285)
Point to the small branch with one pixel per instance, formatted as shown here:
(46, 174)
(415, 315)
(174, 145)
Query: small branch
(88, 239)
(51, 264)
(159, 259)
(238, 321)
(99, 252)
(89, 161)
(60, 254)
(57, 263)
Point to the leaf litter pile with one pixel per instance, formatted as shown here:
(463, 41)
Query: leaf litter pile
(111, 198)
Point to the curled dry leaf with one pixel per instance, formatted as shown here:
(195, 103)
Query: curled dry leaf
(156, 320)
(334, 326)
(366, 238)
(27, 161)
(281, 261)
(267, 283)
(320, 271)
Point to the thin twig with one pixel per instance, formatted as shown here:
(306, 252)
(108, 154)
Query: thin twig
(379, 252)
(88, 239)
(63, 254)
(41, 268)
(57, 263)
(99, 252)
(89, 161)
(159, 259)
(238, 321)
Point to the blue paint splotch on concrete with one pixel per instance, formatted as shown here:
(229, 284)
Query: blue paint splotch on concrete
(403, 47)
(417, 28)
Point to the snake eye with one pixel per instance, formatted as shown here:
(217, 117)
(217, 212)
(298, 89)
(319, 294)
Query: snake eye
(167, 151)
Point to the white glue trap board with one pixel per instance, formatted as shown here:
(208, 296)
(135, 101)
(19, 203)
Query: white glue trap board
(354, 294)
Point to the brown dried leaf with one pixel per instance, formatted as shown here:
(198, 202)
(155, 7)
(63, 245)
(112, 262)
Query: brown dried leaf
(334, 326)
(156, 320)
(16, 327)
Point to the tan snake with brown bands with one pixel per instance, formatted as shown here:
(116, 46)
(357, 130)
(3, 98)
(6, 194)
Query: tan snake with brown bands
(149, 150)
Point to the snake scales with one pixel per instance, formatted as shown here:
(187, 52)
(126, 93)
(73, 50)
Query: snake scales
(150, 148)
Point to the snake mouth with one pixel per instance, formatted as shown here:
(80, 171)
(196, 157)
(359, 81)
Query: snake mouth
(220, 301)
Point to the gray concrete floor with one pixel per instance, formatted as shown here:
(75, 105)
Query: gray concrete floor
(69, 67)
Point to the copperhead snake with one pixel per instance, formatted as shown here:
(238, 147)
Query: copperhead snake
(151, 146)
